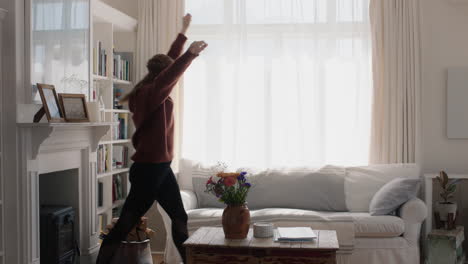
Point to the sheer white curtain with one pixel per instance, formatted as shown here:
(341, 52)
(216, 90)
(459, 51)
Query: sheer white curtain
(159, 22)
(282, 83)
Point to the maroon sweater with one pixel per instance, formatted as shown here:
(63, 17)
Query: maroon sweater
(152, 109)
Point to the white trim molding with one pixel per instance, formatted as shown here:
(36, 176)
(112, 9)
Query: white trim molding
(46, 148)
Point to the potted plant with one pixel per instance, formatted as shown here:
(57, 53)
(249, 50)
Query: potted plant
(448, 188)
(232, 189)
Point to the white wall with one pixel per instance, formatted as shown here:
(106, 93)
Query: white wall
(13, 90)
(445, 44)
(129, 7)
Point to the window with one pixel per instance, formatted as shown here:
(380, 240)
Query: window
(282, 83)
(60, 45)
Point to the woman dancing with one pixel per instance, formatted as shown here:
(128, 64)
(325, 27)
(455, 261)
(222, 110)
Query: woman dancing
(151, 176)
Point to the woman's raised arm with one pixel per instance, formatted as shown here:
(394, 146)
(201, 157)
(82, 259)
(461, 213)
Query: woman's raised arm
(178, 44)
(167, 78)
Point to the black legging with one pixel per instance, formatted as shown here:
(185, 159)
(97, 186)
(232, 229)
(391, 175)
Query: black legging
(149, 182)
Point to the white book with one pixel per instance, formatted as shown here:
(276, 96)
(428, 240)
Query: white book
(296, 234)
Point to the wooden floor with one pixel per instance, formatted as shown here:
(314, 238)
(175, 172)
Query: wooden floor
(157, 258)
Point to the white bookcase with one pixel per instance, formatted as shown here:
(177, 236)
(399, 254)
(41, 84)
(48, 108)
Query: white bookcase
(116, 32)
(2, 249)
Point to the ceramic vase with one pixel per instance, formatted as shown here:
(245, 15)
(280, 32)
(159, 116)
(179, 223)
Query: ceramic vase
(444, 209)
(236, 221)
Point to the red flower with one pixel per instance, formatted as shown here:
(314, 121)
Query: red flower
(210, 181)
(230, 181)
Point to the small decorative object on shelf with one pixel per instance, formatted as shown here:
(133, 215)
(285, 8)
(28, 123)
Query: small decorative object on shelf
(102, 107)
(50, 104)
(445, 246)
(446, 211)
(94, 112)
(118, 92)
(120, 157)
(232, 189)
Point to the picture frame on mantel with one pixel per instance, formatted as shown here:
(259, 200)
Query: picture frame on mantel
(50, 104)
(74, 107)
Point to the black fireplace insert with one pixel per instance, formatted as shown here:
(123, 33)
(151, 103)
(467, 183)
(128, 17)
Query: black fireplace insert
(58, 241)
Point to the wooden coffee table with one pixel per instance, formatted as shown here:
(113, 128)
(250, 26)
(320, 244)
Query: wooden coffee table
(208, 246)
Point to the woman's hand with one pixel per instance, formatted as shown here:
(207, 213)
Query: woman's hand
(197, 46)
(186, 20)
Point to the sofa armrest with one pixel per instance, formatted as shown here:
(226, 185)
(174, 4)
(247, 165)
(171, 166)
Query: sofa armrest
(413, 212)
(189, 199)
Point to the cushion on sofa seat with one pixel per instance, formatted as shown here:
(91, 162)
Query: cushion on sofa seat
(212, 216)
(361, 183)
(383, 226)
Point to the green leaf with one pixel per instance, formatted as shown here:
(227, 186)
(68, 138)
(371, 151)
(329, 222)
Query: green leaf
(452, 188)
(444, 178)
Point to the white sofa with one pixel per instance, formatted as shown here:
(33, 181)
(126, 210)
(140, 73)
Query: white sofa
(390, 239)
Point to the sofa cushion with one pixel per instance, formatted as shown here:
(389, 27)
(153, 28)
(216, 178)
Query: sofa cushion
(361, 183)
(383, 226)
(393, 194)
(205, 200)
(189, 169)
(301, 188)
(308, 189)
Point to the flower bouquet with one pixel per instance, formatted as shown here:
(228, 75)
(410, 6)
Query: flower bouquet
(229, 188)
(232, 189)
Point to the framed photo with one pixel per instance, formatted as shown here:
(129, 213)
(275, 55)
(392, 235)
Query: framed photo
(74, 107)
(50, 103)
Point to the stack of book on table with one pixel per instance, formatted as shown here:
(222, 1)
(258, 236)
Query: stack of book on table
(294, 234)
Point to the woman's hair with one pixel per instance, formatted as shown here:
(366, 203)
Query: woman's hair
(155, 66)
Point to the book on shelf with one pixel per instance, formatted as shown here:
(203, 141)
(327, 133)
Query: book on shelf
(121, 129)
(101, 225)
(123, 65)
(103, 159)
(99, 59)
(120, 157)
(117, 188)
(100, 194)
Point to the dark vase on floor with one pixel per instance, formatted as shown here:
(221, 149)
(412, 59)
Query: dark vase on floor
(236, 221)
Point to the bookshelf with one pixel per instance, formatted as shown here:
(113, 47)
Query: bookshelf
(112, 71)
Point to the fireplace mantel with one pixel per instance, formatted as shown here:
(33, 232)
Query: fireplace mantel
(55, 135)
(55, 147)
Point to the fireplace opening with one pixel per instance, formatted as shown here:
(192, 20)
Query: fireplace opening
(59, 216)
